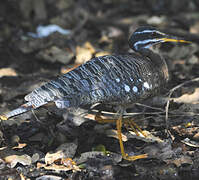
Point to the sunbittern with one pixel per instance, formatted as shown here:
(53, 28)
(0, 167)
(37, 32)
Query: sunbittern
(113, 79)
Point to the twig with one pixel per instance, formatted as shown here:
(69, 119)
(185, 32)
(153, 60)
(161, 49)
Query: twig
(169, 98)
(150, 107)
(38, 120)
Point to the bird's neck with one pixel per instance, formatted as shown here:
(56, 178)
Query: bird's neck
(157, 60)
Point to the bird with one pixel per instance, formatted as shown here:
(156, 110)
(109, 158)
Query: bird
(119, 80)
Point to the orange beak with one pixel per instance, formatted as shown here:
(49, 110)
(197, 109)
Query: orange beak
(173, 39)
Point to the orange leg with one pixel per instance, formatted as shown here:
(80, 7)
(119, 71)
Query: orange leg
(118, 122)
(127, 122)
(124, 155)
(135, 127)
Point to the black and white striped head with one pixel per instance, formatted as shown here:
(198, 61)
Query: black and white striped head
(145, 37)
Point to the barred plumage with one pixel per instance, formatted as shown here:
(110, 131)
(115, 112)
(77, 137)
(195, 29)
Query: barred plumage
(107, 79)
(111, 79)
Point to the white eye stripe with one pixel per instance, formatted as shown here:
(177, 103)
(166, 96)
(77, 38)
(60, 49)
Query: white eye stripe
(147, 41)
(145, 31)
(148, 31)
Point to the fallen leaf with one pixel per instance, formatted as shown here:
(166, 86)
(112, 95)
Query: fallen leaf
(20, 146)
(84, 53)
(13, 157)
(149, 137)
(50, 158)
(68, 162)
(57, 168)
(188, 98)
(66, 150)
(7, 72)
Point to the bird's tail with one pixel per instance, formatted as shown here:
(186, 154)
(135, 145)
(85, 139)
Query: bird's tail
(22, 109)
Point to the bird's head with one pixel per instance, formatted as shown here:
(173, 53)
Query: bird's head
(145, 37)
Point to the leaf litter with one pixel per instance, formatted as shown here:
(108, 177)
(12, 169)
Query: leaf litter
(96, 30)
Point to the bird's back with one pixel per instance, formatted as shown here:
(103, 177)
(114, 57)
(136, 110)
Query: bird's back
(116, 79)
(111, 79)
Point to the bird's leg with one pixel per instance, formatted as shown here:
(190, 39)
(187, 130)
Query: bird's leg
(118, 122)
(119, 133)
(134, 126)
(127, 122)
(124, 155)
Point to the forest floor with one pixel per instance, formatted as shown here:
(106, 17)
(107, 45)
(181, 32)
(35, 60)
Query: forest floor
(48, 143)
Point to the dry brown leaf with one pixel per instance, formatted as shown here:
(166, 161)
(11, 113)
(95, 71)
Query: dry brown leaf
(68, 162)
(50, 158)
(89, 46)
(66, 150)
(13, 157)
(7, 72)
(149, 137)
(20, 146)
(58, 168)
(105, 38)
(84, 53)
(188, 98)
